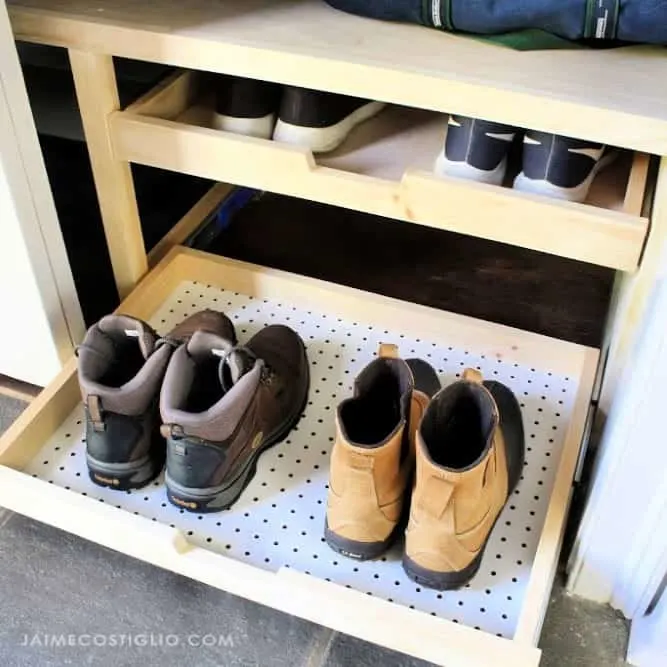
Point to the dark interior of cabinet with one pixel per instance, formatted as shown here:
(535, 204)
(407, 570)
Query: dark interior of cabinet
(504, 284)
(491, 281)
(163, 197)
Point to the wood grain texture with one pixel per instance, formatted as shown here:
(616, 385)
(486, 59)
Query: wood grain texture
(307, 43)
(633, 294)
(97, 94)
(385, 167)
(548, 550)
(489, 338)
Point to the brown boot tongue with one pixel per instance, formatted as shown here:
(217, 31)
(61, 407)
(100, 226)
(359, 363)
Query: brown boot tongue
(118, 327)
(235, 361)
(235, 365)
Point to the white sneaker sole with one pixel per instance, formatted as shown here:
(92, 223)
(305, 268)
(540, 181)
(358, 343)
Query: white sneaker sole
(325, 139)
(445, 167)
(579, 193)
(262, 128)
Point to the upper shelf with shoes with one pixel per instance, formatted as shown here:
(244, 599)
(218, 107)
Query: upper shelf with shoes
(272, 137)
(610, 96)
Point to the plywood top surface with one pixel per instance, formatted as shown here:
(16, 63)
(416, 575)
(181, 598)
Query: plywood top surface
(616, 96)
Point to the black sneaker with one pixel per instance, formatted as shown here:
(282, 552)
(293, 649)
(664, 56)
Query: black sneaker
(476, 150)
(246, 106)
(121, 366)
(560, 167)
(320, 121)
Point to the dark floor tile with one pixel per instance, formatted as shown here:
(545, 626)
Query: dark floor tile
(578, 633)
(10, 409)
(347, 652)
(54, 585)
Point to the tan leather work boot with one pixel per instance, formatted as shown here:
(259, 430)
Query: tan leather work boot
(470, 453)
(372, 462)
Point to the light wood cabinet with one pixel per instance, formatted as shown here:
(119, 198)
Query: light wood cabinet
(307, 43)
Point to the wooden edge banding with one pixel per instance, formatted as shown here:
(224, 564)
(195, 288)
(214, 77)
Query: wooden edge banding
(536, 597)
(399, 628)
(201, 151)
(154, 288)
(372, 619)
(169, 98)
(577, 231)
(97, 95)
(499, 341)
(513, 104)
(633, 203)
(189, 222)
(40, 419)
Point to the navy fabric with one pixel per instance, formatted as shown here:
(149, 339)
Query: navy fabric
(638, 20)
(643, 21)
(389, 10)
(562, 17)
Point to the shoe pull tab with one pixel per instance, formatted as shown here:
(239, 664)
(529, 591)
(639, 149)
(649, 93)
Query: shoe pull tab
(388, 351)
(173, 431)
(472, 375)
(96, 413)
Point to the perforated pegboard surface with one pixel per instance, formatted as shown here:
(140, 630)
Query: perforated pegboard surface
(278, 521)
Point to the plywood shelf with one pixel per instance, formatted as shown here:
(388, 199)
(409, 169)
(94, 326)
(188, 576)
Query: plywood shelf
(385, 168)
(268, 547)
(609, 96)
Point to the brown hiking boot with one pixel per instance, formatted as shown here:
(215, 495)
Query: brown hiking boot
(122, 362)
(222, 406)
(470, 453)
(373, 457)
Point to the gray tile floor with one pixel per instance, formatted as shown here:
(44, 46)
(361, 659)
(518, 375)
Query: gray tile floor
(108, 609)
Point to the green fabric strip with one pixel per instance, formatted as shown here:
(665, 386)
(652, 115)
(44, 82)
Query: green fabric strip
(446, 14)
(588, 20)
(529, 40)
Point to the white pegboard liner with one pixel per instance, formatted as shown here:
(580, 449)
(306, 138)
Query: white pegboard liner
(279, 519)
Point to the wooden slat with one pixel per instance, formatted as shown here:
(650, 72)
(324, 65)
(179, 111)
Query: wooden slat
(27, 435)
(189, 222)
(393, 626)
(495, 340)
(307, 43)
(636, 190)
(97, 94)
(169, 98)
(633, 293)
(586, 233)
(536, 598)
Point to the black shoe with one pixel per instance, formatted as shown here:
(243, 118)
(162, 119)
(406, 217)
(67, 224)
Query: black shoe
(560, 167)
(246, 106)
(122, 362)
(476, 150)
(320, 121)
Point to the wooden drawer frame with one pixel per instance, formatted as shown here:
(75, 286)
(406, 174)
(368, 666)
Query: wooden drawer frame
(290, 591)
(169, 128)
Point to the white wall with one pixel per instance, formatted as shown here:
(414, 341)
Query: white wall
(27, 347)
(40, 316)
